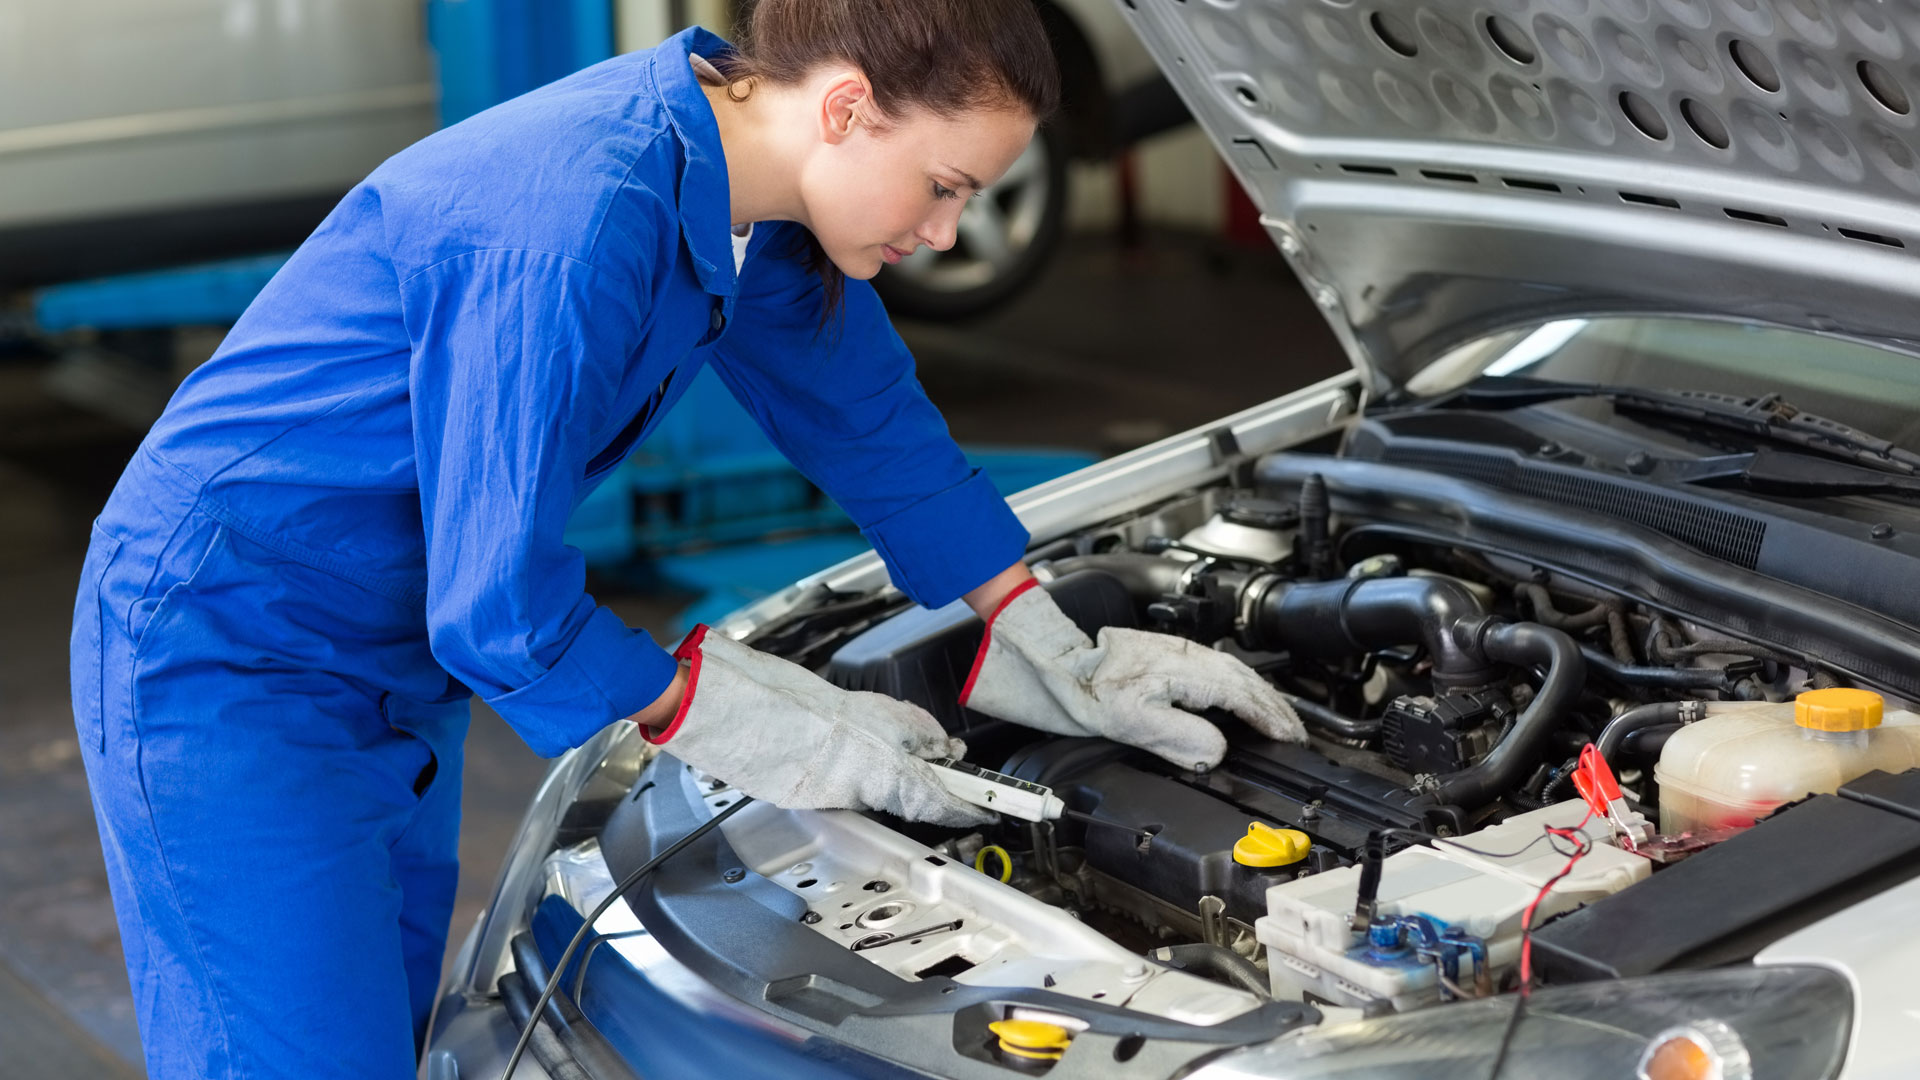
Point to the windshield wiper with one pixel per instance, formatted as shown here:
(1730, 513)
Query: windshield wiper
(1770, 417)
(1777, 473)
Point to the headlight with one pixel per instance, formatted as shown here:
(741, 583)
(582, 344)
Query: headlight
(1738, 1024)
(579, 792)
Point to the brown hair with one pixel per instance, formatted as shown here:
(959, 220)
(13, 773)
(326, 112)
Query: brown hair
(945, 56)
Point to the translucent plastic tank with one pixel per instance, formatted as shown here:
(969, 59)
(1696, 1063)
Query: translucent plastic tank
(1738, 765)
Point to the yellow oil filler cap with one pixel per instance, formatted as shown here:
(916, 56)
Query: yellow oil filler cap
(1266, 846)
(1838, 708)
(1035, 1040)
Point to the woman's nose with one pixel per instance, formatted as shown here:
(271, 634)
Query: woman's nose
(939, 231)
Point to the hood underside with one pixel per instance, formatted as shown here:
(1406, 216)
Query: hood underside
(1436, 172)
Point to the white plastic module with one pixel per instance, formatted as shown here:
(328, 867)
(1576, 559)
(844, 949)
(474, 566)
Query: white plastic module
(1008, 795)
(1312, 948)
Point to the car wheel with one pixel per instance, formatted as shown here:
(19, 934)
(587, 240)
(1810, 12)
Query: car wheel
(1005, 238)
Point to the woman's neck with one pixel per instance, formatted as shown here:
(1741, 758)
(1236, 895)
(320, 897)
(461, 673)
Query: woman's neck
(758, 137)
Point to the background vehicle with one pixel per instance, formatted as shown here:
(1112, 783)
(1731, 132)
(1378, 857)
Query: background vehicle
(193, 129)
(1627, 459)
(1113, 97)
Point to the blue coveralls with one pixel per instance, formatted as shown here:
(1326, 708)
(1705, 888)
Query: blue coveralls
(349, 521)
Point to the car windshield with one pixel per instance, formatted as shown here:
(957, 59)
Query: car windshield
(1870, 388)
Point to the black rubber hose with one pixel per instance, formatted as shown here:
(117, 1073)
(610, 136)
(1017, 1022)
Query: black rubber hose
(1522, 645)
(1614, 735)
(1648, 742)
(1617, 636)
(1334, 723)
(1659, 652)
(547, 1046)
(1340, 618)
(1546, 614)
(1219, 962)
(1658, 678)
(572, 1042)
(528, 961)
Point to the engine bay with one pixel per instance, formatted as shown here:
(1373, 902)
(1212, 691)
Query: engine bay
(1459, 659)
(1448, 688)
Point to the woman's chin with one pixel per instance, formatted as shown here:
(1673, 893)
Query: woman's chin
(864, 268)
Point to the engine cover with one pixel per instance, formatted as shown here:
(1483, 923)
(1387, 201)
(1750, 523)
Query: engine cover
(1171, 834)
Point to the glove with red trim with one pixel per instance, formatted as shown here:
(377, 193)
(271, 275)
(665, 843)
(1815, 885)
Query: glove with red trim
(784, 735)
(1036, 668)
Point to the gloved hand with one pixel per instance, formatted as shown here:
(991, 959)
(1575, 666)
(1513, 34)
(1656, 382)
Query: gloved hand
(1036, 668)
(784, 735)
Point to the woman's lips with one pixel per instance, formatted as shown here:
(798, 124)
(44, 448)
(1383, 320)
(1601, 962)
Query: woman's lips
(893, 254)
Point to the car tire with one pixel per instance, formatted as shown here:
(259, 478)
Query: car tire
(1005, 238)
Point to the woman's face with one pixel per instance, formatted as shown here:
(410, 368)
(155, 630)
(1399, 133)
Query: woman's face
(882, 188)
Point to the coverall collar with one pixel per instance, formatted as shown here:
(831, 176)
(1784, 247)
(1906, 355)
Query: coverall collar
(704, 197)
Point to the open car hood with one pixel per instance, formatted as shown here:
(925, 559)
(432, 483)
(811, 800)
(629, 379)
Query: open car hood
(1436, 172)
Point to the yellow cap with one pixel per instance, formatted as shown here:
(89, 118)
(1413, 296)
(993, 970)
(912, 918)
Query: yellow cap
(1265, 845)
(1034, 1039)
(1838, 708)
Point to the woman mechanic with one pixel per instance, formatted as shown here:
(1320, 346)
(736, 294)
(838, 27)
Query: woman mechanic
(349, 521)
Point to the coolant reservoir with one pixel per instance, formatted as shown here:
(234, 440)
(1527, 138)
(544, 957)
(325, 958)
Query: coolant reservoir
(1738, 765)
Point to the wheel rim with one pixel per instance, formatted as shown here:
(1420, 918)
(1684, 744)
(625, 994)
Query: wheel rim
(994, 231)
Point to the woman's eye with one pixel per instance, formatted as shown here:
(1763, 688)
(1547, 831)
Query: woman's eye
(940, 192)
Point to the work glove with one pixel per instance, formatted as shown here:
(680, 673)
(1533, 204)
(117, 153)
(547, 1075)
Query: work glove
(1036, 668)
(782, 734)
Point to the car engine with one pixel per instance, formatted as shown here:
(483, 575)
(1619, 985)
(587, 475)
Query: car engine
(1448, 687)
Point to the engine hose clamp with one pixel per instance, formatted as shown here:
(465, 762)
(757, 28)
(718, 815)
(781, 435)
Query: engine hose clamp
(1252, 595)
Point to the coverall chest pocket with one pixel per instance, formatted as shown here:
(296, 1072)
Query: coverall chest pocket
(86, 652)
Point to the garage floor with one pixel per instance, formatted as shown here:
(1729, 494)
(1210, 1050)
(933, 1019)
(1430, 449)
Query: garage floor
(1111, 349)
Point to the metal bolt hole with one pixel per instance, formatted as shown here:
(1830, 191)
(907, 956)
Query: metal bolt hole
(1753, 63)
(1510, 40)
(1394, 34)
(1884, 88)
(1705, 123)
(1643, 116)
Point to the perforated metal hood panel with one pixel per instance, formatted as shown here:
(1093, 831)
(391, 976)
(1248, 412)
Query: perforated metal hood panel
(1434, 171)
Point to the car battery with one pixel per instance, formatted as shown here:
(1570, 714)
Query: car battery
(1466, 897)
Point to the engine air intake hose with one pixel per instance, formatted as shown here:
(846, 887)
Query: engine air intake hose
(1523, 645)
(1339, 618)
(1342, 617)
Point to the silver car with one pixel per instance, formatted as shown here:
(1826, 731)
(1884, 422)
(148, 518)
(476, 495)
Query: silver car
(164, 131)
(1594, 582)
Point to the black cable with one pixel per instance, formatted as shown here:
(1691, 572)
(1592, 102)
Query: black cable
(1506, 1037)
(628, 882)
(1555, 789)
(1430, 837)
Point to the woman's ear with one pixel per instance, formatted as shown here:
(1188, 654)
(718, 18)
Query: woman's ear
(846, 103)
